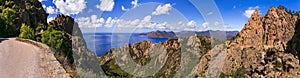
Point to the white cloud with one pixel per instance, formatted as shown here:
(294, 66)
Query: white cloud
(106, 5)
(217, 23)
(42, 0)
(250, 10)
(124, 9)
(44, 6)
(51, 10)
(90, 22)
(50, 19)
(210, 13)
(110, 22)
(146, 22)
(70, 6)
(162, 9)
(147, 19)
(205, 24)
(134, 3)
(191, 23)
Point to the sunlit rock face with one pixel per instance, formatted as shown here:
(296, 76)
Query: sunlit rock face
(261, 47)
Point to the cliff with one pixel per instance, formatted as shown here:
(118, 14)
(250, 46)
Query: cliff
(261, 47)
(265, 47)
(176, 60)
(14, 13)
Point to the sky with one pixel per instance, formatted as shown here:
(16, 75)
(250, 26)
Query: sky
(123, 16)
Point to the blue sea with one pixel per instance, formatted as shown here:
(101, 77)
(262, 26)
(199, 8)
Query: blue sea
(101, 43)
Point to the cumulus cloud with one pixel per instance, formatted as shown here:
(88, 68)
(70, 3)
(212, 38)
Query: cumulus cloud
(110, 22)
(205, 24)
(106, 5)
(146, 22)
(90, 22)
(162, 9)
(51, 10)
(250, 10)
(94, 21)
(191, 23)
(44, 6)
(70, 6)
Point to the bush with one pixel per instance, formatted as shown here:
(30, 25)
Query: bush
(7, 23)
(26, 32)
(40, 27)
(58, 42)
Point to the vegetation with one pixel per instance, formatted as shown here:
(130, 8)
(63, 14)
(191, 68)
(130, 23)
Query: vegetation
(239, 73)
(59, 42)
(288, 10)
(14, 23)
(205, 43)
(7, 20)
(26, 32)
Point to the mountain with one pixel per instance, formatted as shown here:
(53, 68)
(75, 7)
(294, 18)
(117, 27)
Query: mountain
(185, 34)
(263, 47)
(267, 46)
(159, 34)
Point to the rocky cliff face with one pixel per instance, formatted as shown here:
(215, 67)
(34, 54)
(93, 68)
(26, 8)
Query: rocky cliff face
(261, 47)
(63, 23)
(14, 13)
(174, 54)
(29, 12)
(267, 46)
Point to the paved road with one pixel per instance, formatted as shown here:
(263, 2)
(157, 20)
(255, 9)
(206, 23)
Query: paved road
(20, 60)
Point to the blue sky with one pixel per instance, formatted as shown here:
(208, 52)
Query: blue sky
(149, 15)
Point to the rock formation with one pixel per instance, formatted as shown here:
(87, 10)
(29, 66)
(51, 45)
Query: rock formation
(63, 23)
(266, 47)
(14, 13)
(177, 63)
(261, 47)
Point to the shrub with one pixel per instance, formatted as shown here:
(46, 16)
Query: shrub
(26, 32)
(40, 27)
(7, 23)
(59, 43)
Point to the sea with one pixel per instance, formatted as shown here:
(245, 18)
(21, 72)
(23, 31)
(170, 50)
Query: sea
(101, 43)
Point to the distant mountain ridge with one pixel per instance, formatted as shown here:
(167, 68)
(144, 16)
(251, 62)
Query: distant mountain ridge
(172, 35)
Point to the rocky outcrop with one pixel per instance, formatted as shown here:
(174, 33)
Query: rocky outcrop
(85, 61)
(63, 23)
(31, 13)
(261, 46)
(14, 13)
(176, 55)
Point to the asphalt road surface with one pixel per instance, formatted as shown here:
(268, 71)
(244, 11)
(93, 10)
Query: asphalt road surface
(20, 60)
